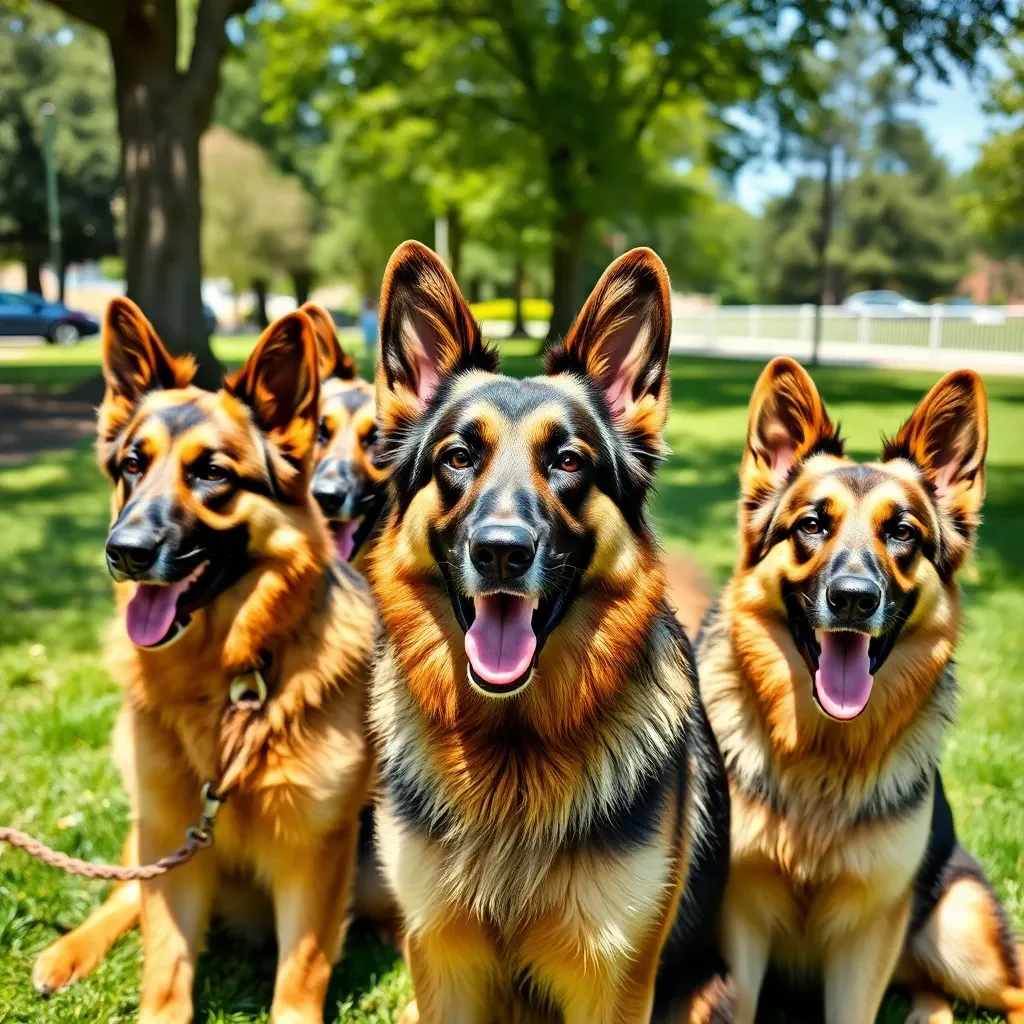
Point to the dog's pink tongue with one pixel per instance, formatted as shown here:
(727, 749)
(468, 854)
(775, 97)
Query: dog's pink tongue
(344, 535)
(843, 680)
(150, 612)
(501, 642)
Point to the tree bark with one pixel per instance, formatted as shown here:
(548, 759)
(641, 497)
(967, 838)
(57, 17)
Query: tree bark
(519, 326)
(33, 274)
(824, 237)
(160, 161)
(456, 236)
(161, 113)
(566, 265)
(302, 284)
(260, 287)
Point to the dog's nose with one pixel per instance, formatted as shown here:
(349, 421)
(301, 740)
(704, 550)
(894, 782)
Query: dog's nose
(853, 598)
(330, 495)
(131, 551)
(502, 551)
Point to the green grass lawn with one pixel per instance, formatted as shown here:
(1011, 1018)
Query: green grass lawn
(57, 703)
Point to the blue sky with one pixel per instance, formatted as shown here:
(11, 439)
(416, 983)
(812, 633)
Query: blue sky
(952, 116)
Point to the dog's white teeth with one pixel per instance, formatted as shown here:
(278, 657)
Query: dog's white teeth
(818, 634)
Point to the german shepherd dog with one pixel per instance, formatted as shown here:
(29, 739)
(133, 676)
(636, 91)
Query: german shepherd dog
(348, 482)
(554, 820)
(827, 673)
(222, 564)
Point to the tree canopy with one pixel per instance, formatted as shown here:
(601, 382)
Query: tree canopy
(598, 95)
(43, 59)
(896, 226)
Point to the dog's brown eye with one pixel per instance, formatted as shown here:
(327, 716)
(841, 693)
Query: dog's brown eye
(131, 466)
(212, 473)
(810, 525)
(458, 458)
(903, 532)
(370, 437)
(568, 462)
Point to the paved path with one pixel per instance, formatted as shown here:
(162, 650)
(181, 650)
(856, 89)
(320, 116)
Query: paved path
(33, 421)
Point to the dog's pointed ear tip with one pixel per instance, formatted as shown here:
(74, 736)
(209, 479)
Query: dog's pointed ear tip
(964, 379)
(411, 252)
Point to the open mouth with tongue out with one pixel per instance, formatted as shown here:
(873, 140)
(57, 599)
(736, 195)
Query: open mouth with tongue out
(843, 679)
(344, 533)
(842, 662)
(504, 636)
(154, 617)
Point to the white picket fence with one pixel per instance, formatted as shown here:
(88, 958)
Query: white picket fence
(974, 329)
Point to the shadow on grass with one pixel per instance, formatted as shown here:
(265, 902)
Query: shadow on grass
(239, 978)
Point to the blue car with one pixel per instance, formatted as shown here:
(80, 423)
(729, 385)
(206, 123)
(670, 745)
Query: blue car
(25, 314)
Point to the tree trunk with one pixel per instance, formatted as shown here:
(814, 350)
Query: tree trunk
(260, 287)
(62, 276)
(302, 284)
(456, 236)
(33, 272)
(566, 265)
(519, 326)
(824, 237)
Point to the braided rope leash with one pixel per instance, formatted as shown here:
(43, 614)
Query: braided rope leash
(248, 692)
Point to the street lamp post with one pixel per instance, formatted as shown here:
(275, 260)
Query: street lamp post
(48, 111)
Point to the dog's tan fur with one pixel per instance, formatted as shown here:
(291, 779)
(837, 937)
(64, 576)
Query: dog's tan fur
(288, 830)
(509, 915)
(826, 846)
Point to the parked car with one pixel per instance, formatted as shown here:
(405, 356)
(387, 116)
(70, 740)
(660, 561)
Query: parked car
(883, 302)
(210, 319)
(960, 307)
(25, 314)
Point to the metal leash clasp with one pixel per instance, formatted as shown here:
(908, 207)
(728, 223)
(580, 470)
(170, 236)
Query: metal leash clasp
(202, 834)
(249, 691)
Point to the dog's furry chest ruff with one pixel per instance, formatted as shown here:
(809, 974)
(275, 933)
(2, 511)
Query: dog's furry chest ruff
(824, 838)
(304, 762)
(589, 847)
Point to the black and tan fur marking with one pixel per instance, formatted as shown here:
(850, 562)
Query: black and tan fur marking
(348, 480)
(211, 502)
(845, 870)
(556, 841)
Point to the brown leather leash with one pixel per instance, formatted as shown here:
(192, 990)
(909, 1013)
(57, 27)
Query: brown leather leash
(249, 693)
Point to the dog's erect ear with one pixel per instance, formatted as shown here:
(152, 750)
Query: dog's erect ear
(621, 338)
(332, 360)
(134, 362)
(787, 423)
(427, 334)
(947, 439)
(280, 385)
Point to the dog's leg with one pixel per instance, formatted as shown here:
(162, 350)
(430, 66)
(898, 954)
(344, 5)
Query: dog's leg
(966, 949)
(175, 915)
(859, 965)
(74, 955)
(312, 890)
(746, 946)
(929, 1008)
(452, 971)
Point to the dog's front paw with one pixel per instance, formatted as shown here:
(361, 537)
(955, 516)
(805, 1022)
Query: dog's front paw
(59, 966)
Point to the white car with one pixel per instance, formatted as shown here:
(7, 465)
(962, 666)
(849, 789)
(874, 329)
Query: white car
(883, 302)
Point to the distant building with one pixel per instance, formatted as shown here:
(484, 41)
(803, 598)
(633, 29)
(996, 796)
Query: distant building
(993, 282)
